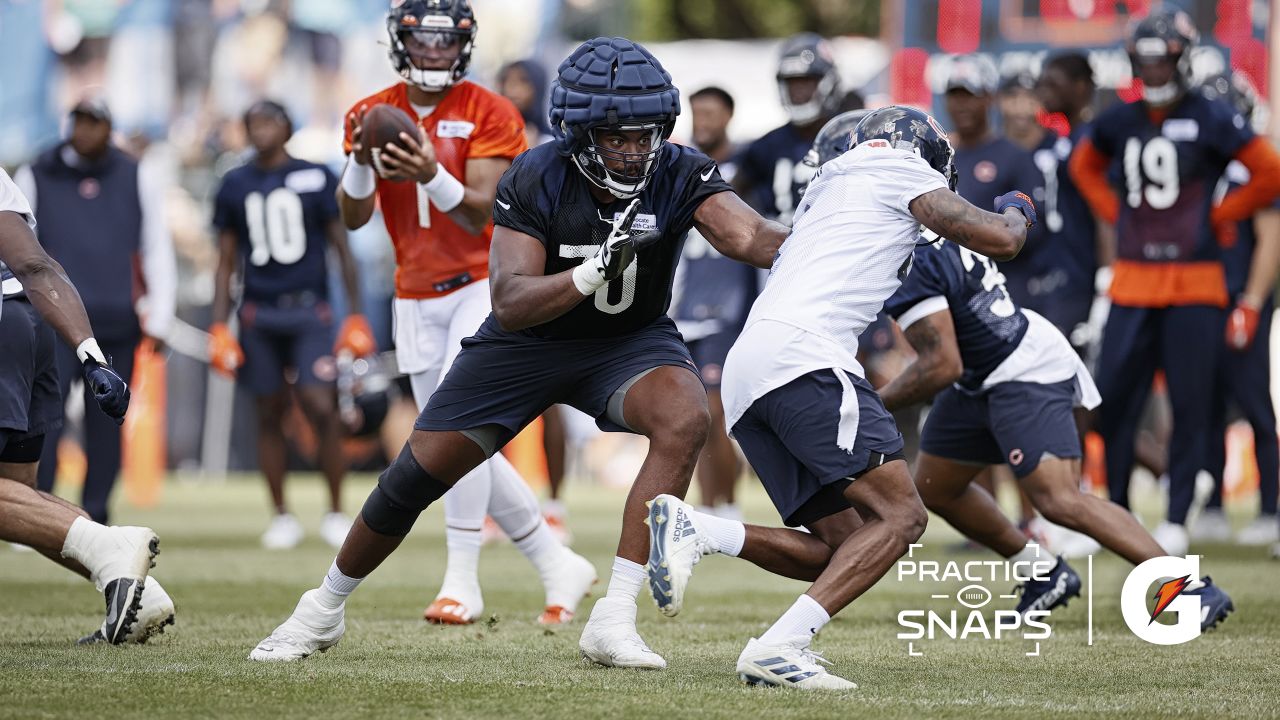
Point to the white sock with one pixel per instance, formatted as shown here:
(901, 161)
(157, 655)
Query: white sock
(803, 620)
(513, 506)
(335, 588)
(628, 577)
(1032, 553)
(728, 535)
(728, 511)
(82, 539)
(461, 573)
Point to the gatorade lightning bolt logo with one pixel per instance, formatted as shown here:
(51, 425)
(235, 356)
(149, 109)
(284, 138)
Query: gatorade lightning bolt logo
(1167, 593)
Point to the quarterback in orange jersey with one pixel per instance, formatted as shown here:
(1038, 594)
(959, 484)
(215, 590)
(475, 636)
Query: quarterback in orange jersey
(437, 201)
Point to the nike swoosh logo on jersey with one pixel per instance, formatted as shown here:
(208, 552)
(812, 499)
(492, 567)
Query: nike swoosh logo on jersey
(504, 205)
(707, 175)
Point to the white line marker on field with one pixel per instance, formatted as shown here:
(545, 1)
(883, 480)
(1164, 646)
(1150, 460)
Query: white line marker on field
(939, 597)
(911, 650)
(1008, 597)
(1036, 653)
(1090, 596)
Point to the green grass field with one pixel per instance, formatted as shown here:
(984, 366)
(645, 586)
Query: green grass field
(230, 593)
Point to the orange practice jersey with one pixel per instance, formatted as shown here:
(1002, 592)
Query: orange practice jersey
(470, 123)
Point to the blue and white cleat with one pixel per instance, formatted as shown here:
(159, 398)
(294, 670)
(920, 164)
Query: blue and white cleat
(1215, 604)
(676, 544)
(790, 665)
(1062, 585)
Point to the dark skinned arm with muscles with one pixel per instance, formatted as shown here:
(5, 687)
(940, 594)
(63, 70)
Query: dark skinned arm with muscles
(936, 366)
(524, 297)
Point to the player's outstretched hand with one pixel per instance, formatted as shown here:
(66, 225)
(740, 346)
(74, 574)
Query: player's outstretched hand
(614, 255)
(1021, 201)
(362, 154)
(108, 388)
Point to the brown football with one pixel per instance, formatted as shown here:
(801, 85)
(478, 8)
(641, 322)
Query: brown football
(382, 125)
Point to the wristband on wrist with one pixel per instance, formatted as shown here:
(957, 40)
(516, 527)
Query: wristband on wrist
(89, 349)
(586, 277)
(445, 191)
(358, 181)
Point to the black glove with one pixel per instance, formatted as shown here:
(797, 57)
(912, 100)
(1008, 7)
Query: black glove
(614, 255)
(108, 388)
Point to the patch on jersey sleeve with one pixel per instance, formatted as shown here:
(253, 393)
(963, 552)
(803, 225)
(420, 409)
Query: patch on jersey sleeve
(305, 181)
(644, 222)
(1181, 129)
(454, 129)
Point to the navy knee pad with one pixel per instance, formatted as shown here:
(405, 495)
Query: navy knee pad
(404, 490)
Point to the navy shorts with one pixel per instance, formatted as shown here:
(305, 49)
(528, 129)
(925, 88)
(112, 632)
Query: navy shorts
(790, 438)
(504, 380)
(709, 354)
(1014, 422)
(30, 403)
(276, 338)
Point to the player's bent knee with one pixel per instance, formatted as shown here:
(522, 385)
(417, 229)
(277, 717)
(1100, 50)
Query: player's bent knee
(404, 490)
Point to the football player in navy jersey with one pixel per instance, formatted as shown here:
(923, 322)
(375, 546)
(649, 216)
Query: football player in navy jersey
(1004, 384)
(770, 172)
(276, 217)
(1074, 246)
(1150, 167)
(1251, 264)
(712, 296)
(588, 231)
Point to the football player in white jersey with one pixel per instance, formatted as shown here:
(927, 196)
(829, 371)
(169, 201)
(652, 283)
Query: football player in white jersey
(795, 397)
(37, 300)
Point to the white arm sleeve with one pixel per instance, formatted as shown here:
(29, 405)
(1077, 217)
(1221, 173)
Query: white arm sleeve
(159, 268)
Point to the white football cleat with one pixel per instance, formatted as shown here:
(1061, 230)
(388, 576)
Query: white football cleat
(311, 628)
(334, 528)
(571, 583)
(155, 613)
(1264, 530)
(1172, 537)
(284, 533)
(1211, 526)
(119, 563)
(790, 665)
(676, 544)
(610, 637)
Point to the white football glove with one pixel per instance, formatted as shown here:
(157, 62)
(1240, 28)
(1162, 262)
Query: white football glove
(612, 258)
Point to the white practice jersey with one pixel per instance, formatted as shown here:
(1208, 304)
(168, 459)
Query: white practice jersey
(12, 200)
(848, 251)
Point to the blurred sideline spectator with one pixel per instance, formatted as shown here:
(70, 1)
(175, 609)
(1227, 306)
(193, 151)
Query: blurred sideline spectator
(101, 215)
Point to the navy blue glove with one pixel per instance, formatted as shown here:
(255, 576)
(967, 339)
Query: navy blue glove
(108, 388)
(1020, 200)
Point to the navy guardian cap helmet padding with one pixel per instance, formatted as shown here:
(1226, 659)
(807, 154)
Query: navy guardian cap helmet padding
(907, 128)
(613, 84)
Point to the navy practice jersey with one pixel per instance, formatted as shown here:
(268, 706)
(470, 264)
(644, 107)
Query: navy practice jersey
(771, 169)
(990, 170)
(716, 292)
(544, 195)
(279, 216)
(1066, 258)
(989, 324)
(1237, 258)
(1165, 174)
